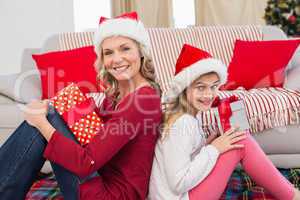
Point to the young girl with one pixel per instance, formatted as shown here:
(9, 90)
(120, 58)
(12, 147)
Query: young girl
(185, 165)
(117, 163)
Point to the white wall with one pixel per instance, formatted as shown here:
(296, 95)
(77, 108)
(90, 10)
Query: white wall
(88, 12)
(27, 24)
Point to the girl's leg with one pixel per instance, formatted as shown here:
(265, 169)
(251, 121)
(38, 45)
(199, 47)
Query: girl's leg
(213, 186)
(255, 163)
(263, 172)
(21, 158)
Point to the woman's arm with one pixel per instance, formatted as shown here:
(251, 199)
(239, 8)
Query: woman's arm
(118, 131)
(184, 167)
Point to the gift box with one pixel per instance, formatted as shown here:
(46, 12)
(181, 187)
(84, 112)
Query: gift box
(78, 112)
(230, 112)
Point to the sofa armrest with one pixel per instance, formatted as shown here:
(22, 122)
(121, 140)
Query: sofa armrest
(25, 85)
(293, 78)
(51, 44)
(273, 33)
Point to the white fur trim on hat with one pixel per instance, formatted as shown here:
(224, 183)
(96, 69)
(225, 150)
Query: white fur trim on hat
(187, 76)
(122, 27)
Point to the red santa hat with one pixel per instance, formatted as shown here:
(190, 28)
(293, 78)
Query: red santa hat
(127, 25)
(191, 64)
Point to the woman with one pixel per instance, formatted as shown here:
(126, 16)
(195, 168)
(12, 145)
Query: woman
(188, 167)
(117, 163)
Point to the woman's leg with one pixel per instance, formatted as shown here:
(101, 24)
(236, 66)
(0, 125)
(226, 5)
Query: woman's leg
(67, 181)
(255, 163)
(21, 158)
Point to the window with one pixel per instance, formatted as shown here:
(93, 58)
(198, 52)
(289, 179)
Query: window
(183, 13)
(88, 12)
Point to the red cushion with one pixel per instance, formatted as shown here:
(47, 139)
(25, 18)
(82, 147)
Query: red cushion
(58, 69)
(257, 64)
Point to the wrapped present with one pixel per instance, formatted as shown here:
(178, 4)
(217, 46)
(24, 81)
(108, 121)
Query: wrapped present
(230, 112)
(78, 112)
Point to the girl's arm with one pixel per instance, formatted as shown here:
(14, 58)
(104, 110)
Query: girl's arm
(185, 167)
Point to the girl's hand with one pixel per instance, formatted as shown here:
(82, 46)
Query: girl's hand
(228, 140)
(211, 137)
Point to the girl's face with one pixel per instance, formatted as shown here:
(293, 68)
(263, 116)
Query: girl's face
(201, 93)
(121, 57)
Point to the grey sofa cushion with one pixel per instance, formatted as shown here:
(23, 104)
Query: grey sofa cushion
(20, 87)
(273, 33)
(295, 61)
(293, 78)
(281, 140)
(5, 100)
(23, 86)
(10, 115)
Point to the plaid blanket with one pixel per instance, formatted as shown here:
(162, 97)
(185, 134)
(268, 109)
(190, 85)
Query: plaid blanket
(240, 187)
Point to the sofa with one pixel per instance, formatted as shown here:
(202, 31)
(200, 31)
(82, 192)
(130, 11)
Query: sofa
(281, 144)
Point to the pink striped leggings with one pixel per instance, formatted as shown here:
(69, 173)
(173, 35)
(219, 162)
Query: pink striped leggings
(257, 166)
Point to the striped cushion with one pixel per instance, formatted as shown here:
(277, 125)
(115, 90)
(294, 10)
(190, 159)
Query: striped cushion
(166, 45)
(219, 40)
(72, 40)
(265, 107)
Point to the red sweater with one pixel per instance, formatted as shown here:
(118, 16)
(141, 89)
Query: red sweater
(122, 152)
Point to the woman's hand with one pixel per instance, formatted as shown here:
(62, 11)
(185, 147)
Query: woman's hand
(228, 140)
(35, 114)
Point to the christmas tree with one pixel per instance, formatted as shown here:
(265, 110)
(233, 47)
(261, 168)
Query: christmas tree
(285, 14)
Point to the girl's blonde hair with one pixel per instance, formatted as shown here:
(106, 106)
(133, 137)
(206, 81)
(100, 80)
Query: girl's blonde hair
(176, 108)
(147, 71)
(173, 110)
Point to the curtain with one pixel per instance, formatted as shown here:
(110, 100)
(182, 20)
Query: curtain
(153, 13)
(122, 6)
(230, 12)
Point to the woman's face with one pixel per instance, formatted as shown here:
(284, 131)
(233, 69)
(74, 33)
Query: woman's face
(201, 93)
(121, 57)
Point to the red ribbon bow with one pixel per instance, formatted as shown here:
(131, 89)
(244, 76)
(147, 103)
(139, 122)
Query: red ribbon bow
(225, 111)
(131, 15)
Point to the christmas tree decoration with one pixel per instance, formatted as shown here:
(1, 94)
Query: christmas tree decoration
(285, 14)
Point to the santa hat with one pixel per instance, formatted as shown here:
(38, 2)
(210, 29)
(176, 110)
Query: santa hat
(191, 64)
(127, 25)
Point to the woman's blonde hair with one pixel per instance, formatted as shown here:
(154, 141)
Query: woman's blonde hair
(173, 110)
(147, 71)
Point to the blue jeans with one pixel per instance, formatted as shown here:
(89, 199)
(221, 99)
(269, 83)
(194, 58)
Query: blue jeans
(21, 158)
